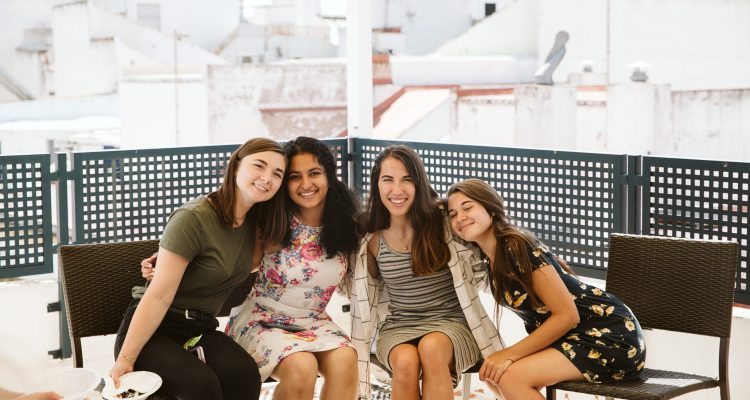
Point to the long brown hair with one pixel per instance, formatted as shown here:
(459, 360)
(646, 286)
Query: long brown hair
(512, 261)
(269, 216)
(430, 252)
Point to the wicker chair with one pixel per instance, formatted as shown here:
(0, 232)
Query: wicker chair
(96, 281)
(680, 285)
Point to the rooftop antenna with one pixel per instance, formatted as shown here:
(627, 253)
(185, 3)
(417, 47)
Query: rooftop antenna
(543, 75)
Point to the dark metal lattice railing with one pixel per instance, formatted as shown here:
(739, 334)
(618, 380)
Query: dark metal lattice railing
(699, 199)
(128, 195)
(571, 200)
(25, 215)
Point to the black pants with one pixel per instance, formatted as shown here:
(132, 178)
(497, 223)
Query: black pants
(229, 372)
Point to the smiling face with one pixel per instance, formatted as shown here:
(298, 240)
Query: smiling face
(469, 219)
(396, 187)
(307, 182)
(258, 177)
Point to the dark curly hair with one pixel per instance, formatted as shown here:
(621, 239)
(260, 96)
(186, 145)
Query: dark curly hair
(341, 218)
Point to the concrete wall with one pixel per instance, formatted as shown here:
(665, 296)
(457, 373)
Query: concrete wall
(487, 120)
(585, 21)
(705, 45)
(16, 17)
(425, 24)
(83, 66)
(157, 112)
(189, 17)
(511, 31)
(247, 100)
(460, 70)
(708, 124)
(633, 118)
(151, 43)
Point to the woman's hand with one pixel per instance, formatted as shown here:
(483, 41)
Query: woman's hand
(122, 366)
(495, 366)
(147, 267)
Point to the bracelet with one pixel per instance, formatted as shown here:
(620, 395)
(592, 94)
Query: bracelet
(129, 359)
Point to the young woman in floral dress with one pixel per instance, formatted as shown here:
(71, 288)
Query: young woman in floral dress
(283, 323)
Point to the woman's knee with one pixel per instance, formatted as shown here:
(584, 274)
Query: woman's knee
(298, 369)
(341, 362)
(435, 350)
(512, 377)
(404, 360)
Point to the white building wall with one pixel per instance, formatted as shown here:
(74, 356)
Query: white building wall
(485, 120)
(276, 99)
(299, 12)
(586, 22)
(157, 112)
(425, 24)
(16, 16)
(591, 122)
(511, 31)
(154, 44)
(460, 70)
(190, 17)
(697, 44)
(433, 127)
(249, 42)
(83, 66)
(712, 124)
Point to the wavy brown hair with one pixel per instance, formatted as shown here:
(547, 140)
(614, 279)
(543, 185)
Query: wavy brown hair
(429, 252)
(269, 216)
(512, 261)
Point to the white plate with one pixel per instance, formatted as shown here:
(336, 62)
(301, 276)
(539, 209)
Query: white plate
(143, 382)
(72, 384)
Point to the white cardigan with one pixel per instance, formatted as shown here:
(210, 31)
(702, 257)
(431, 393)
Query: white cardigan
(370, 300)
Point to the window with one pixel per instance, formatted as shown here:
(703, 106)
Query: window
(489, 9)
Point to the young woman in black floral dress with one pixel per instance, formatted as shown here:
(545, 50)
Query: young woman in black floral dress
(576, 331)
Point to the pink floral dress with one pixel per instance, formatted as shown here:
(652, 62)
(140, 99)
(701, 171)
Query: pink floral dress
(293, 287)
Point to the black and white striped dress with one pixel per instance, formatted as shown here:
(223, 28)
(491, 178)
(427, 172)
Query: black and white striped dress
(421, 305)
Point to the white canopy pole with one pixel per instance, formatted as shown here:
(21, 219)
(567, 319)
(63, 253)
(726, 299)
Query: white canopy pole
(359, 68)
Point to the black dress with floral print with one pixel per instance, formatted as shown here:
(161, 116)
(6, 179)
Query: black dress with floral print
(606, 345)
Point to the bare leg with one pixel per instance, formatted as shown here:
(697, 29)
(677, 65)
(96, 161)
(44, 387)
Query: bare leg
(436, 357)
(404, 361)
(525, 377)
(338, 367)
(296, 374)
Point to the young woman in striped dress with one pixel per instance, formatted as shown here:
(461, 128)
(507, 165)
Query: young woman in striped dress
(416, 294)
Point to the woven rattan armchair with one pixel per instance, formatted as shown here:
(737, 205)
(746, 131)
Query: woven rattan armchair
(97, 281)
(681, 285)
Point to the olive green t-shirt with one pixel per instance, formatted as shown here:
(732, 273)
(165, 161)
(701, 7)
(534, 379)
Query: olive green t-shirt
(219, 257)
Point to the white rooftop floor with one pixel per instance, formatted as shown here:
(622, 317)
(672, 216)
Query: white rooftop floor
(27, 332)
